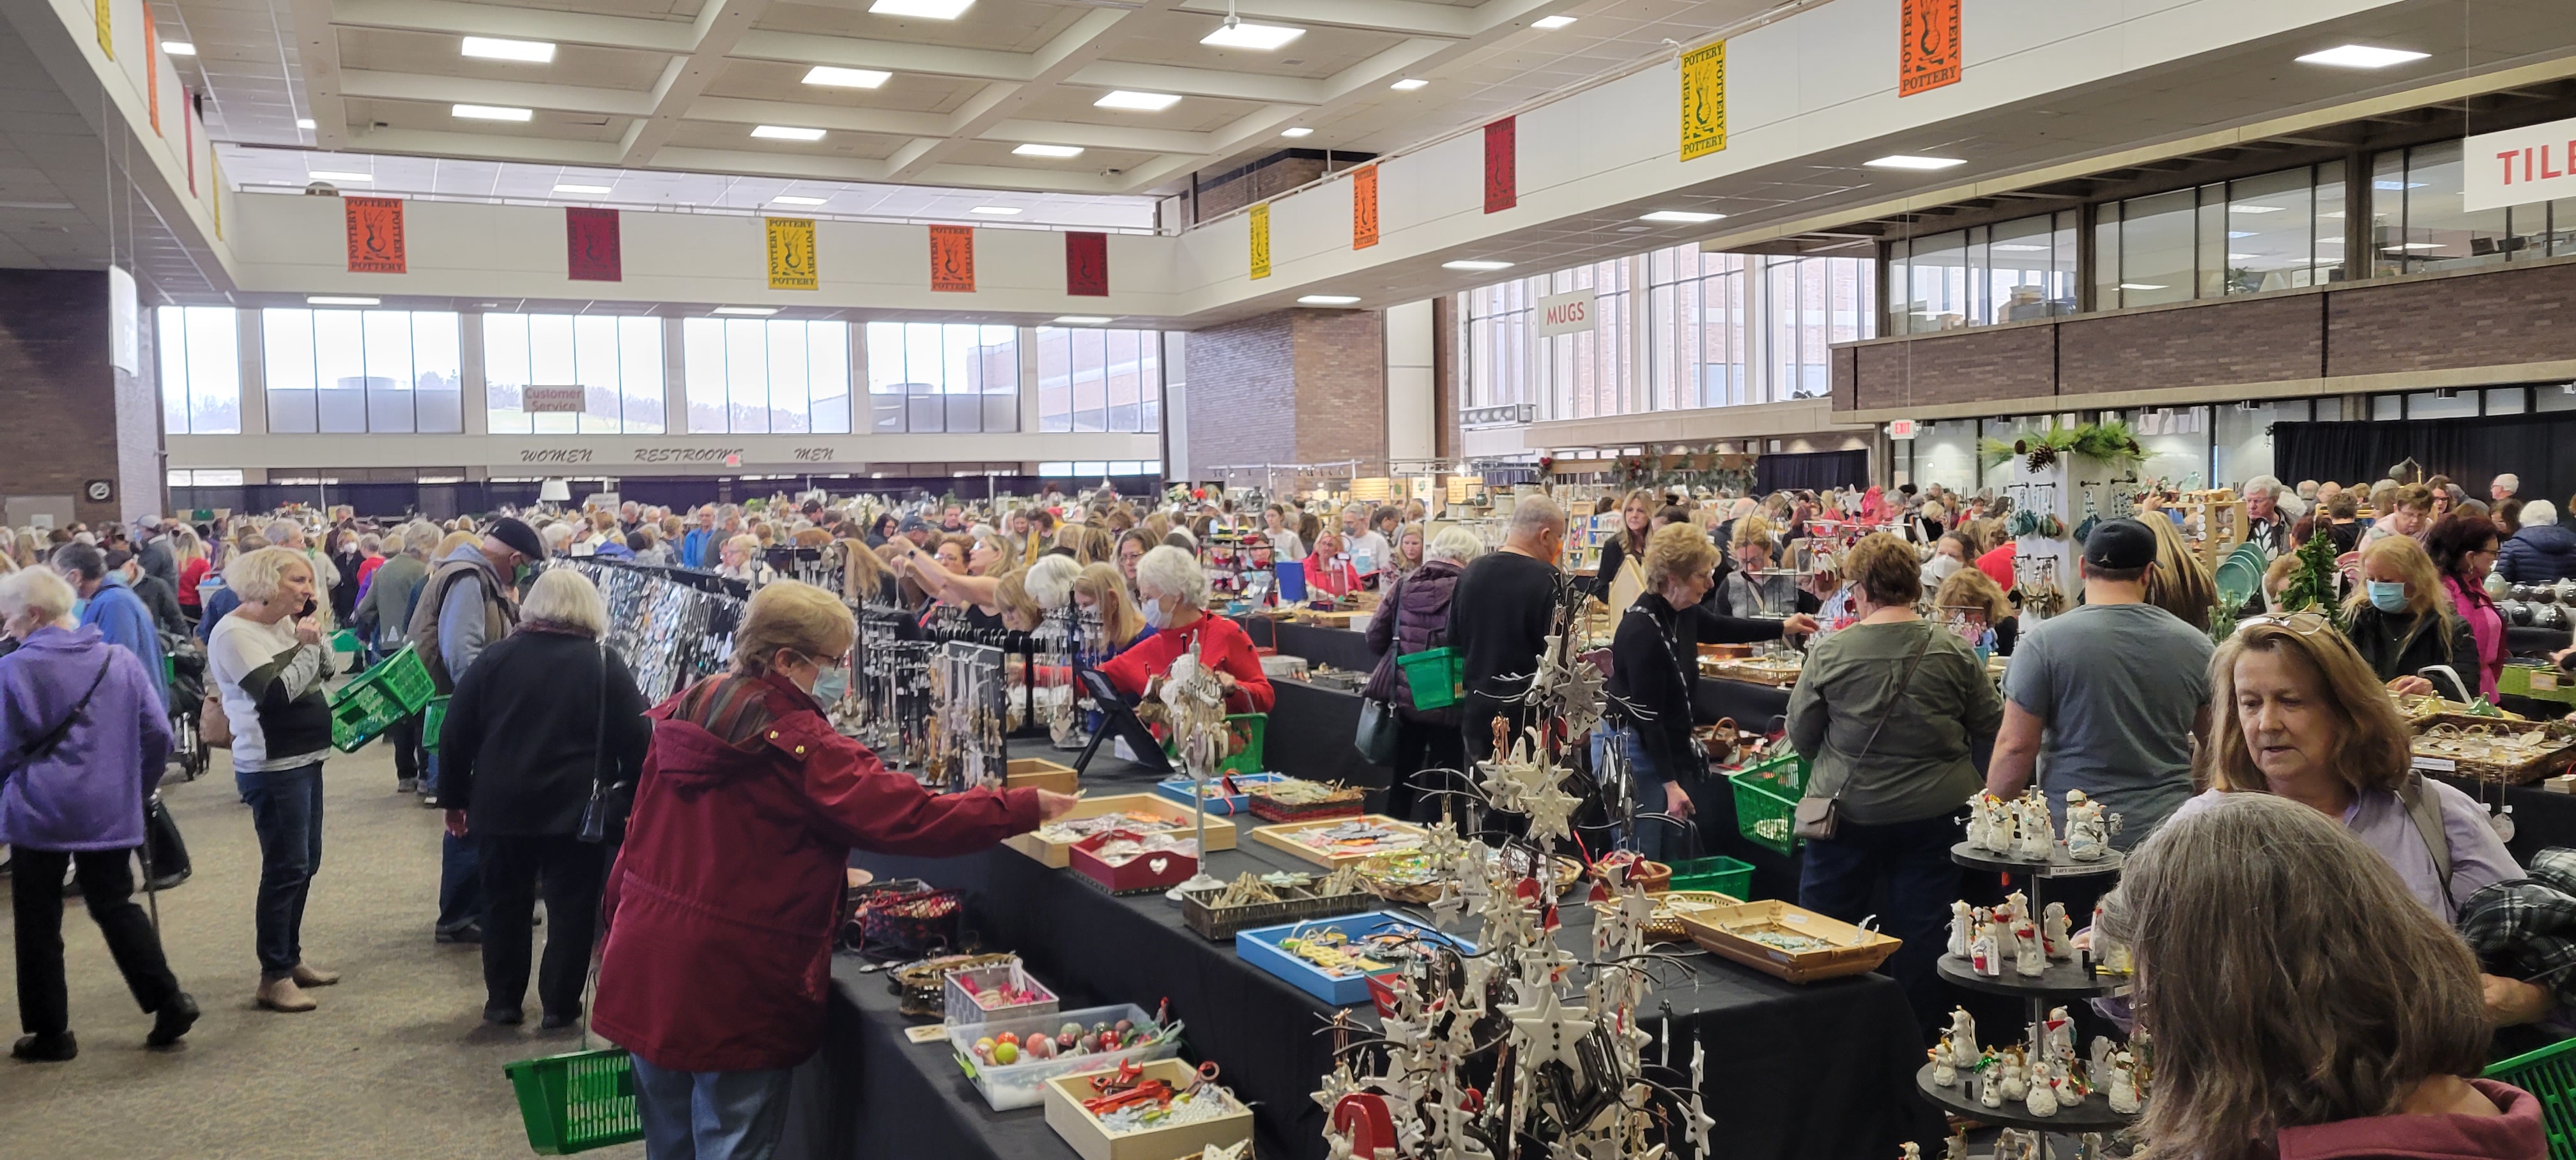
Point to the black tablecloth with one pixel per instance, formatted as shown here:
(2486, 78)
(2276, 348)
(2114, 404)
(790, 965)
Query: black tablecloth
(1754, 706)
(1310, 736)
(2541, 819)
(2526, 641)
(1339, 647)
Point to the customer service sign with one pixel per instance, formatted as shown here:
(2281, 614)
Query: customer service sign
(2520, 166)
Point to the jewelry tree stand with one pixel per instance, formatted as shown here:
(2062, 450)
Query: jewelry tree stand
(1194, 701)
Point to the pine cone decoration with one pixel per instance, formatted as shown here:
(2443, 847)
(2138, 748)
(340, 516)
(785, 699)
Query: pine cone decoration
(2041, 456)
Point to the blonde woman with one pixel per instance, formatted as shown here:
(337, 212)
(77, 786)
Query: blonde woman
(1623, 552)
(1101, 587)
(1743, 592)
(2179, 583)
(1977, 592)
(2401, 622)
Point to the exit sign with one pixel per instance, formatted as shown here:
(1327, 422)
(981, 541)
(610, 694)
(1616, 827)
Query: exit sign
(1900, 428)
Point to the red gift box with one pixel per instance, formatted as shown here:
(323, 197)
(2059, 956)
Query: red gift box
(1155, 870)
(1382, 992)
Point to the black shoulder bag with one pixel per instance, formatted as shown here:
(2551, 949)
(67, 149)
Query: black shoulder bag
(1820, 817)
(595, 814)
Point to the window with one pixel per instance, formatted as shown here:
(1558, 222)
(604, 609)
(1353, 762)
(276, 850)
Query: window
(1099, 380)
(617, 363)
(337, 372)
(1497, 344)
(1814, 303)
(206, 477)
(927, 377)
(2277, 231)
(2418, 225)
(200, 351)
(760, 376)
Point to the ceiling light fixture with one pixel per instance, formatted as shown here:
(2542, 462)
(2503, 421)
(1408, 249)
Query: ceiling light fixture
(1908, 161)
(1408, 84)
(2361, 56)
(495, 48)
(491, 113)
(304, 122)
(582, 189)
(1299, 131)
(845, 78)
(1551, 23)
(797, 199)
(927, 9)
(748, 311)
(338, 300)
(2140, 286)
(1034, 150)
(1140, 102)
(2254, 209)
(1260, 37)
(337, 175)
(1081, 320)
(786, 133)
(996, 210)
(1475, 265)
(1329, 300)
(178, 48)
(1681, 216)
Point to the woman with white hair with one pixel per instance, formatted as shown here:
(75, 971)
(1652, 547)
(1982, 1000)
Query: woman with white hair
(1425, 739)
(742, 560)
(2541, 551)
(1172, 591)
(540, 753)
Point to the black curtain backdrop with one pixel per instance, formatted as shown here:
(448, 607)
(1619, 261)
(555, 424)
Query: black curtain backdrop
(1811, 471)
(2470, 451)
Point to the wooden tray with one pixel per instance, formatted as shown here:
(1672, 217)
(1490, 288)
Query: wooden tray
(1040, 773)
(1058, 855)
(1854, 951)
(1083, 1132)
(1665, 925)
(1279, 837)
(1296, 904)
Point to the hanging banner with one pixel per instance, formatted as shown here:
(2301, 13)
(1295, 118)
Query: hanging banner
(152, 67)
(1364, 207)
(2525, 166)
(1259, 220)
(952, 259)
(1501, 165)
(1572, 312)
(1704, 101)
(188, 135)
(592, 252)
(791, 254)
(1931, 55)
(106, 38)
(375, 234)
(1086, 265)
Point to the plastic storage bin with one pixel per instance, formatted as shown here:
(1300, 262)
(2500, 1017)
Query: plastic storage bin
(1437, 676)
(1260, 947)
(985, 1003)
(1022, 1085)
(2550, 1074)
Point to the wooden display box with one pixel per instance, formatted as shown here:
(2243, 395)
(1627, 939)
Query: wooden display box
(1058, 855)
(1279, 838)
(1091, 1141)
(1852, 951)
(1158, 870)
(1040, 773)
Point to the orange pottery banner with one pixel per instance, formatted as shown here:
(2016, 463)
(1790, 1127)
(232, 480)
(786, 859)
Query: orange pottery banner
(952, 259)
(375, 234)
(1931, 55)
(1364, 207)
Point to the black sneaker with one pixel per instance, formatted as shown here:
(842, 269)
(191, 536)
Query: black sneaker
(557, 1020)
(45, 1048)
(168, 881)
(471, 932)
(429, 801)
(505, 1016)
(172, 1021)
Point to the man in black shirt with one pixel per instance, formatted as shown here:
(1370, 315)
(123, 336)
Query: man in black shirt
(1500, 617)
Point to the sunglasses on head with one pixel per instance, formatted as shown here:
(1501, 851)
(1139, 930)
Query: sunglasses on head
(2303, 623)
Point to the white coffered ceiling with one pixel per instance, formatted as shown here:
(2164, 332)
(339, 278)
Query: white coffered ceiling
(680, 84)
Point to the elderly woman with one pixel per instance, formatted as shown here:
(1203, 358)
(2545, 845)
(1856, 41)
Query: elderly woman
(1896, 716)
(2352, 1026)
(1132, 546)
(82, 742)
(382, 616)
(1425, 739)
(1172, 591)
(267, 664)
(1972, 591)
(1744, 592)
(1651, 688)
(2400, 621)
(742, 561)
(723, 899)
(544, 737)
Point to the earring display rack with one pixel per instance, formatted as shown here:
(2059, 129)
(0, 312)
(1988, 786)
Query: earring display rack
(669, 627)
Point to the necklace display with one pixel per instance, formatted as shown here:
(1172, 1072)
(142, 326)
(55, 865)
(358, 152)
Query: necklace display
(667, 627)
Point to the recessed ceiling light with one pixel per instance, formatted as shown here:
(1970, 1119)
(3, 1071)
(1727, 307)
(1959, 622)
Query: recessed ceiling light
(1551, 23)
(2140, 286)
(1635, 229)
(1049, 151)
(304, 122)
(845, 78)
(1408, 84)
(931, 9)
(1259, 36)
(1144, 102)
(567, 188)
(2242, 257)
(2414, 246)
(178, 48)
(338, 175)
(533, 51)
(748, 311)
(793, 199)
(2361, 56)
(996, 210)
(1904, 161)
(2254, 209)
(786, 133)
(491, 113)
(337, 300)
(1081, 320)
(1299, 131)
(1329, 300)
(1478, 266)
(1684, 216)
(2020, 248)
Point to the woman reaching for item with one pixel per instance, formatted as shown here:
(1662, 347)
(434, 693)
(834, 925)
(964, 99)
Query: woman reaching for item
(2401, 622)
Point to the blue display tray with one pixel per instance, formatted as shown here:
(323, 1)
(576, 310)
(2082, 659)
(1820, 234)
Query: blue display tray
(1260, 947)
(1177, 791)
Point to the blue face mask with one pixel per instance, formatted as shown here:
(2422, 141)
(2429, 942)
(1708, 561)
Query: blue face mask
(831, 685)
(2388, 595)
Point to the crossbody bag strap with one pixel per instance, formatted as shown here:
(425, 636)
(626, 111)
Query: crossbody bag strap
(2425, 811)
(1896, 701)
(44, 744)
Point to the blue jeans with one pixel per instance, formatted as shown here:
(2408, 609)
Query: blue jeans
(286, 811)
(1655, 839)
(460, 871)
(1842, 878)
(710, 1115)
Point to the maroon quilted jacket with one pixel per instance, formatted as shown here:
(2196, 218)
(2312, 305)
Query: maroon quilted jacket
(1420, 620)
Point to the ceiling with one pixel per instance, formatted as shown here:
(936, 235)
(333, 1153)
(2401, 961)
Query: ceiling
(680, 84)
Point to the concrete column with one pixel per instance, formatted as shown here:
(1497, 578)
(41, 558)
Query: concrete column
(1291, 386)
(1411, 386)
(90, 422)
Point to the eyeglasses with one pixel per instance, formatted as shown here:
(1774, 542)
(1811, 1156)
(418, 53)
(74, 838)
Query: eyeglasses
(2302, 623)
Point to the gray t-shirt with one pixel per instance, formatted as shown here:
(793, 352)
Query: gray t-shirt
(2117, 687)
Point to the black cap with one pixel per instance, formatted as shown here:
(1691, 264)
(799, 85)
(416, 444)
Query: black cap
(2120, 545)
(913, 524)
(516, 533)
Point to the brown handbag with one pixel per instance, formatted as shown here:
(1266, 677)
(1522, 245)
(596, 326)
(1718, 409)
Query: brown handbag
(1819, 818)
(214, 728)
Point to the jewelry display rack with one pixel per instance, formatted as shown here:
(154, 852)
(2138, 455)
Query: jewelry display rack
(967, 748)
(671, 627)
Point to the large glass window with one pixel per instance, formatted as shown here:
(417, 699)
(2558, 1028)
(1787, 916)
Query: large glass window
(336, 372)
(761, 376)
(2418, 224)
(200, 354)
(2277, 231)
(2007, 272)
(1814, 303)
(1497, 319)
(1099, 380)
(927, 377)
(617, 362)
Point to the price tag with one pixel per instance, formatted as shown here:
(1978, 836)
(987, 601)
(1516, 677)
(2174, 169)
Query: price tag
(927, 1033)
(2437, 764)
(2544, 680)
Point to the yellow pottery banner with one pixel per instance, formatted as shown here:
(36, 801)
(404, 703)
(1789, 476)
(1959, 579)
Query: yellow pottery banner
(791, 254)
(1704, 101)
(1260, 219)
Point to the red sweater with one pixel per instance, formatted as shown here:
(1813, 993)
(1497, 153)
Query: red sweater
(1226, 647)
(2515, 1135)
(1999, 564)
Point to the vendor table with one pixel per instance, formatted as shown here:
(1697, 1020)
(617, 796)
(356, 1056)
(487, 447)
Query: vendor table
(1310, 736)
(1756, 707)
(2523, 640)
(1338, 647)
(1822, 1071)
(2541, 818)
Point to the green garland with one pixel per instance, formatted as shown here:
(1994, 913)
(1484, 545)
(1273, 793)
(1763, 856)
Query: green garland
(2112, 443)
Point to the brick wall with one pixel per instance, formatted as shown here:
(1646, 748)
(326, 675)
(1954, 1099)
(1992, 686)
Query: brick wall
(2499, 317)
(1957, 367)
(79, 418)
(1341, 384)
(1243, 393)
(2254, 340)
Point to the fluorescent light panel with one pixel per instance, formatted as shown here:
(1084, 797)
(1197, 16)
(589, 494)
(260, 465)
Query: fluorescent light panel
(748, 311)
(1475, 265)
(304, 122)
(996, 210)
(1908, 161)
(2361, 56)
(495, 48)
(338, 300)
(1081, 320)
(1551, 23)
(1329, 300)
(786, 133)
(2141, 286)
(1263, 37)
(928, 9)
(1034, 150)
(795, 199)
(338, 175)
(178, 48)
(1299, 131)
(2019, 248)
(491, 113)
(2254, 209)
(1681, 216)
(1140, 102)
(582, 189)
(845, 78)
(1408, 84)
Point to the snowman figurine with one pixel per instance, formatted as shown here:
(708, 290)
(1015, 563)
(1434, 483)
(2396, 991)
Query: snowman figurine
(1944, 1072)
(1963, 929)
(2053, 935)
(2088, 828)
(2029, 961)
(2041, 1100)
(2124, 1083)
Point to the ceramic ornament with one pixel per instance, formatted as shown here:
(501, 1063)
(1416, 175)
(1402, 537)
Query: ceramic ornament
(2016, 1083)
(1963, 1037)
(2041, 1097)
(1944, 1073)
(2088, 829)
(2015, 910)
(2053, 933)
(2058, 1036)
(2033, 838)
(2029, 961)
(2124, 1084)
(1956, 1147)
(1962, 929)
(1907, 1151)
(1985, 954)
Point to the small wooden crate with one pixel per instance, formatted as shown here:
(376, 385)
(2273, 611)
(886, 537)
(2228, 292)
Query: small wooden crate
(1058, 855)
(1665, 925)
(1296, 904)
(1082, 1130)
(1852, 951)
(1280, 836)
(1040, 773)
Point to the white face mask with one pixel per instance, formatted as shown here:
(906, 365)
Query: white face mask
(1156, 615)
(1941, 568)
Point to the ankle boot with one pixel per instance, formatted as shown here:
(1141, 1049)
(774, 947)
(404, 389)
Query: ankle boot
(284, 995)
(45, 1048)
(306, 975)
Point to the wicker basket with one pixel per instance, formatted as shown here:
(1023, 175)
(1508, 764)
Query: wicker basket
(908, 926)
(2500, 762)
(1346, 802)
(1850, 950)
(1296, 904)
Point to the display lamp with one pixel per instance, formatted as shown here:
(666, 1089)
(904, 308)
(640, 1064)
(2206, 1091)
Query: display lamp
(554, 491)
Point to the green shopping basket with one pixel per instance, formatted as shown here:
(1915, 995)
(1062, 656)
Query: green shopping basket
(432, 720)
(360, 712)
(1248, 731)
(1437, 676)
(2550, 1075)
(1732, 877)
(1766, 801)
(406, 678)
(577, 1101)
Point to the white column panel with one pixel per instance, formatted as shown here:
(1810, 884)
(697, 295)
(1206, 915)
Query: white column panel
(1410, 411)
(476, 400)
(1176, 403)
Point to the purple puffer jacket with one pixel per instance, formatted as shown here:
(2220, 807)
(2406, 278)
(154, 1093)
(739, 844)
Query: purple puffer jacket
(88, 792)
(1421, 621)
